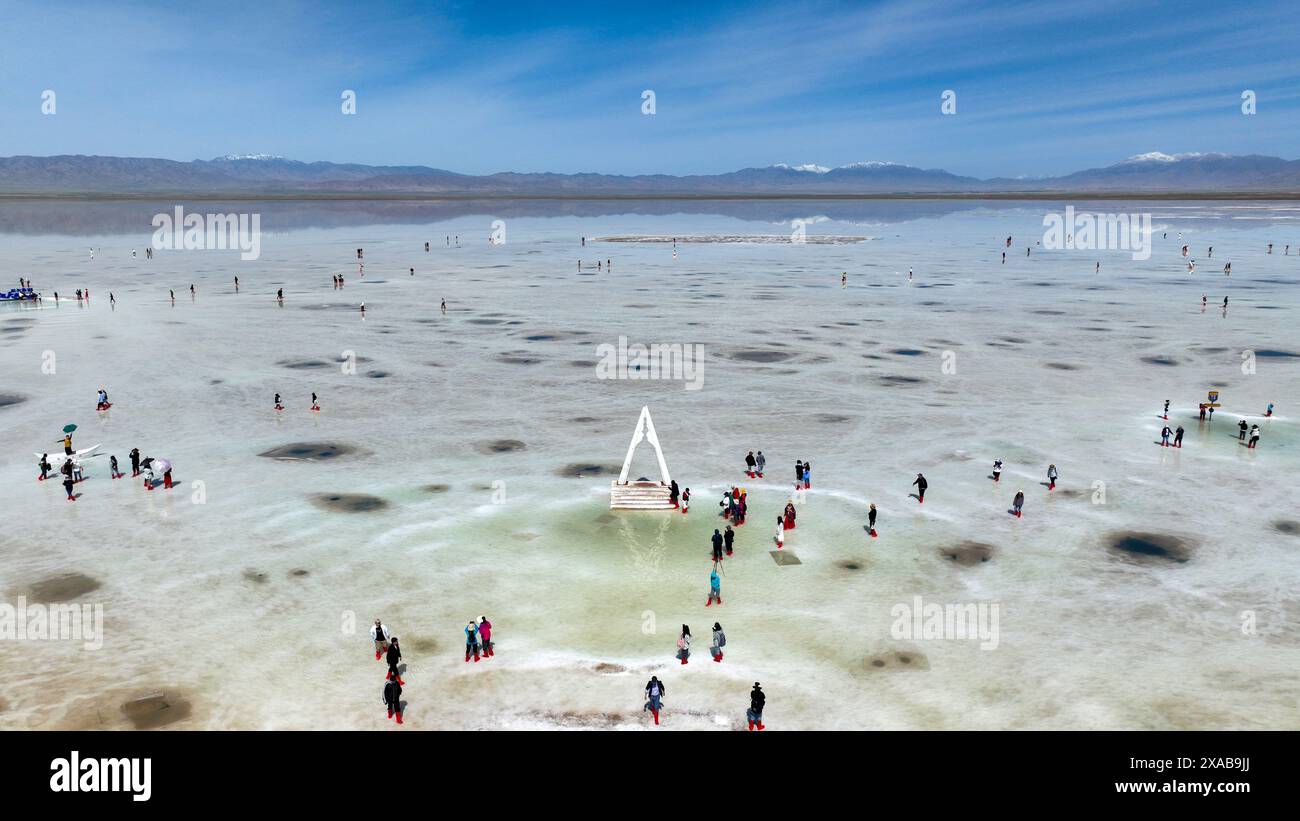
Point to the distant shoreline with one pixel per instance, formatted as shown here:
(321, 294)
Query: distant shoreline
(244, 196)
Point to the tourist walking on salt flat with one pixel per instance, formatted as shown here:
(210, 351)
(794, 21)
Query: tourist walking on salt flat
(1052, 472)
(728, 537)
(760, 463)
(379, 635)
(921, 485)
(807, 475)
(719, 641)
(1165, 433)
(392, 695)
(1018, 502)
(757, 701)
(750, 464)
(997, 470)
(1254, 436)
(715, 587)
(66, 470)
(45, 467)
(871, 520)
(717, 544)
(686, 500)
(654, 697)
(485, 637)
(394, 657)
(1178, 437)
(471, 641)
(684, 644)
(673, 493)
(780, 532)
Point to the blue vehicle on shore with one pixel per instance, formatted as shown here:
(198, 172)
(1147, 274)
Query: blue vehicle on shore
(18, 295)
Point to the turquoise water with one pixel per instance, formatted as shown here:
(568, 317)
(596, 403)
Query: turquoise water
(1035, 361)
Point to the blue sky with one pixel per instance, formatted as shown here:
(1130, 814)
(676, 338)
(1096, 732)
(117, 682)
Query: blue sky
(1042, 87)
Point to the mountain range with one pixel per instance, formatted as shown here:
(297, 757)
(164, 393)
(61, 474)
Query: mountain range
(256, 175)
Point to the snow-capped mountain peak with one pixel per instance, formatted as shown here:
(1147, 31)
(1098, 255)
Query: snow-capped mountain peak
(810, 168)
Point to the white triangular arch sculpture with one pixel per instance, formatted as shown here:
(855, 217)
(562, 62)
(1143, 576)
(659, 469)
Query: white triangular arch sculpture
(645, 430)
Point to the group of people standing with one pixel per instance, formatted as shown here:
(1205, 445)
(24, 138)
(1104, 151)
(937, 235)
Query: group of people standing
(478, 643)
(72, 472)
(387, 648)
(655, 690)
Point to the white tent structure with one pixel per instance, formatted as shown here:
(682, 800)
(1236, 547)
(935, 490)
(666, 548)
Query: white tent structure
(649, 495)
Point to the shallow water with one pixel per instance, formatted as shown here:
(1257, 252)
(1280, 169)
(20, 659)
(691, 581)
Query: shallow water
(475, 478)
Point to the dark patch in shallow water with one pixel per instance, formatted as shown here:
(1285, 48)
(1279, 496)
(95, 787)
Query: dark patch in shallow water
(762, 356)
(303, 364)
(891, 380)
(1062, 366)
(520, 359)
(831, 418)
(349, 502)
(501, 446)
(436, 488)
(896, 660)
(1160, 360)
(308, 451)
(578, 470)
(61, 588)
(1287, 526)
(156, 710)
(1149, 547)
(968, 553)
(10, 399)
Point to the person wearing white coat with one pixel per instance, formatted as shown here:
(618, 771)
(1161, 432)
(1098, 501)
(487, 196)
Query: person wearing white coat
(379, 633)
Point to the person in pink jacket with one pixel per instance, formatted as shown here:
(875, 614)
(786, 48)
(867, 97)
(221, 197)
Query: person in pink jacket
(485, 636)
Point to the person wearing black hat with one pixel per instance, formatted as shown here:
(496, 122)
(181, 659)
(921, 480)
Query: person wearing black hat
(755, 712)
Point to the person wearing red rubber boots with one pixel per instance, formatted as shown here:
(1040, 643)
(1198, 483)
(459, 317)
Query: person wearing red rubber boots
(394, 657)
(393, 699)
(471, 640)
(379, 634)
(485, 636)
(715, 587)
(755, 712)
(654, 695)
(719, 642)
(684, 644)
